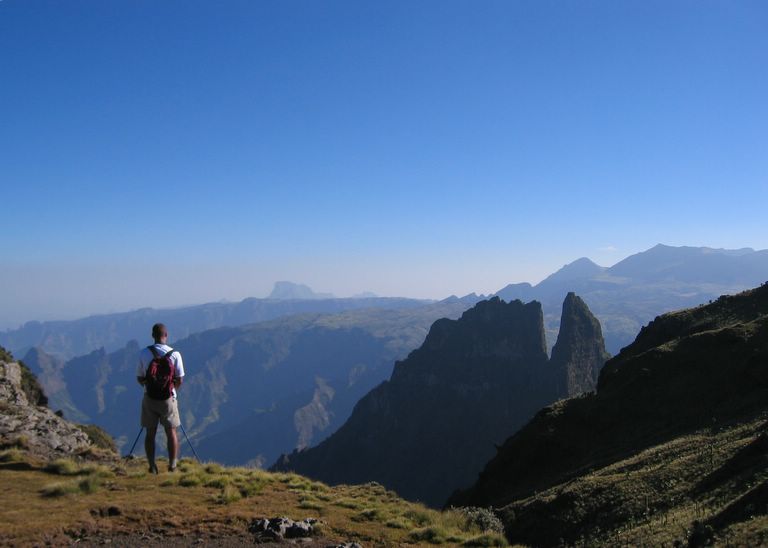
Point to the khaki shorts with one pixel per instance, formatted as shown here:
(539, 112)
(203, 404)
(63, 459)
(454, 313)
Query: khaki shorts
(166, 412)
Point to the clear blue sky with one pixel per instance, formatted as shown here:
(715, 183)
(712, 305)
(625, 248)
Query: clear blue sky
(158, 152)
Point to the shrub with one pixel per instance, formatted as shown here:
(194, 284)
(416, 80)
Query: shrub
(481, 518)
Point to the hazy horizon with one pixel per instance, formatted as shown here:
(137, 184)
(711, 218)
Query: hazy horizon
(169, 153)
(199, 280)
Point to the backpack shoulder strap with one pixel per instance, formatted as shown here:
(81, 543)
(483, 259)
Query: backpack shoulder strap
(168, 354)
(153, 350)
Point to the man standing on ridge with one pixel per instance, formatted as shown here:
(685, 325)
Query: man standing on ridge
(160, 372)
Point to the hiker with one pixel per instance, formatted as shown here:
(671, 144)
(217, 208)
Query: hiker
(160, 372)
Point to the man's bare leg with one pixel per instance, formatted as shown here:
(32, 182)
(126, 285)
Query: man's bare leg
(173, 447)
(149, 448)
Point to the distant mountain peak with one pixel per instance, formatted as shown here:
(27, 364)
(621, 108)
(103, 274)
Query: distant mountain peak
(579, 269)
(292, 291)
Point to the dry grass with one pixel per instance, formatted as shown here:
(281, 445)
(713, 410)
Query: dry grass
(210, 501)
(654, 497)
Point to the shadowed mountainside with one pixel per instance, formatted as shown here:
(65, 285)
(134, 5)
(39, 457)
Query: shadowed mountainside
(475, 380)
(693, 375)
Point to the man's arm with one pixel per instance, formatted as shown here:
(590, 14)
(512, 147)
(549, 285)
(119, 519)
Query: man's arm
(142, 380)
(177, 382)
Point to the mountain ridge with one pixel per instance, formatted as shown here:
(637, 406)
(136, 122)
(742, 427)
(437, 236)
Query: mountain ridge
(699, 370)
(432, 425)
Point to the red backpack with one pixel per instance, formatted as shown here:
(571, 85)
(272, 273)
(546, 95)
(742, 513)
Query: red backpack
(160, 374)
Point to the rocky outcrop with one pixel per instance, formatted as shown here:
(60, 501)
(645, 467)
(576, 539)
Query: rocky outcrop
(35, 428)
(432, 426)
(279, 529)
(579, 353)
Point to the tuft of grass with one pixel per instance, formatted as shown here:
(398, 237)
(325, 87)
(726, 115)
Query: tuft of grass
(228, 495)
(432, 535)
(420, 518)
(219, 482)
(214, 468)
(62, 467)
(12, 455)
(97, 470)
(88, 485)
(348, 504)
(190, 480)
(369, 514)
(487, 539)
(250, 488)
(300, 485)
(309, 504)
(60, 489)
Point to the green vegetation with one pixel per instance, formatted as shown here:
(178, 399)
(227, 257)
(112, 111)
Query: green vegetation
(222, 499)
(5, 356)
(31, 387)
(99, 437)
(29, 384)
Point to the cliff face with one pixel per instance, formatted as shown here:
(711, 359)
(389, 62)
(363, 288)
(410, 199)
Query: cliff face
(432, 426)
(29, 426)
(703, 368)
(579, 353)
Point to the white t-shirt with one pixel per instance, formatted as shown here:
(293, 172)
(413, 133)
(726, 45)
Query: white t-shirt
(146, 357)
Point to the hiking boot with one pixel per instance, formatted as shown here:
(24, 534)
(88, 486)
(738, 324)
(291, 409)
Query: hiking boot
(171, 467)
(153, 468)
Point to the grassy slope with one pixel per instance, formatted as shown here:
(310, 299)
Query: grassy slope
(718, 478)
(65, 501)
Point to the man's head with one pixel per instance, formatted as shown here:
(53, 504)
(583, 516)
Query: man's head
(159, 333)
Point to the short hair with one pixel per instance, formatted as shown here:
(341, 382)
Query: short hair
(159, 331)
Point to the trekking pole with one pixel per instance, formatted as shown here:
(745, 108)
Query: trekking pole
(189, 442)
(135, 442)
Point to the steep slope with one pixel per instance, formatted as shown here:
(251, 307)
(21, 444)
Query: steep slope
(431, 427)
(26, 423)
(704, 369)
(251, 392)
